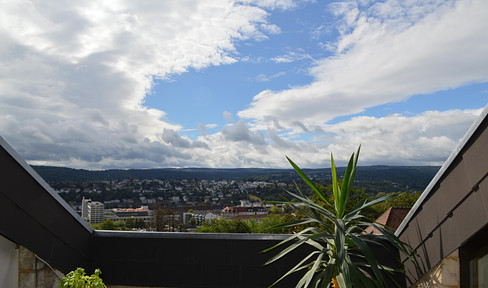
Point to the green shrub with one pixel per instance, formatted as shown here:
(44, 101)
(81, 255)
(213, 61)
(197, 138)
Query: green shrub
(79, 279)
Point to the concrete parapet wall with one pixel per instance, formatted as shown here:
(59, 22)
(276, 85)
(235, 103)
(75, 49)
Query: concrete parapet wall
(33, 272)
(444, 275)
(8, 263)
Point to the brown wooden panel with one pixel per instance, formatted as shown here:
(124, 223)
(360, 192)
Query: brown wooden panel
(470, 217)
(476, 158)
(456, 185)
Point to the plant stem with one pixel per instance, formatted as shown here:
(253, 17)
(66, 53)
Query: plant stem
(334, 283)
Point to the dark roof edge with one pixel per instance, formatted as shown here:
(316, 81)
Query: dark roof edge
(42, 182)
(189, 235)
(441, 171)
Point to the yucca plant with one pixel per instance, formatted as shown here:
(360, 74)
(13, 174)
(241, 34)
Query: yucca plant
(342, 255)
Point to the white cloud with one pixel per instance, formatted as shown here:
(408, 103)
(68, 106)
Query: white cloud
(380, 59)
(267, 78)
(228, 116)
(291, 56)
(272, 4)
(73, 80)
(270, 28)
(239, 132)
(74, 75)
(424, 139)
(202, 129)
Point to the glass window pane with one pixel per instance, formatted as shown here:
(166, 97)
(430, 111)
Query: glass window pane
(483, 271)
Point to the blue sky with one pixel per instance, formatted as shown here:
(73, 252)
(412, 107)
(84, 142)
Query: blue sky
(231, 87)
(240, 83)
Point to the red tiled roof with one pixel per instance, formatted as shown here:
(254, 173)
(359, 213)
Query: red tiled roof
(391, 218)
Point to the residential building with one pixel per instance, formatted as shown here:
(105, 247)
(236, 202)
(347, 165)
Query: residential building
(95, 212)
(391, 218)
(244, 212)
(131, 213)
(84, 208)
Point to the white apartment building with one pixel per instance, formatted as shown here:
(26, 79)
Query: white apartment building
(84, 208)
(132, 213)
(92, 212)
(95, 212)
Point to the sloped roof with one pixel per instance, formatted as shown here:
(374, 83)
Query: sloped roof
(391, 218)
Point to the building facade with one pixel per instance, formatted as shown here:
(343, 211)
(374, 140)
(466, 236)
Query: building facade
(95, 212)
(448, 226)
(142, 213)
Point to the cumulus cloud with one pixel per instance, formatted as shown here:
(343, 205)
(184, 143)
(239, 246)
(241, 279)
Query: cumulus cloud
(267, 78)
(228, 116)
(424, 47)
(292, 56)
(74, 75)
(272, 4)
(424, 139)
(171, 137)
(202, 129)
(240, 132)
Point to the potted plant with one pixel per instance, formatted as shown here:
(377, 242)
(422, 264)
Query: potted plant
(79, 279)
(342, 255)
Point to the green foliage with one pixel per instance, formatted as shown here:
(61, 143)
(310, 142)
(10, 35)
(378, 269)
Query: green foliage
(267, 225)
(79, 279)
(274, 210)
(272, 224)
(254, 198)
(403, 200)
(109, 224)
(225, 226)
(341, 251)
(129, 225)
(135, 223)
(164, 220)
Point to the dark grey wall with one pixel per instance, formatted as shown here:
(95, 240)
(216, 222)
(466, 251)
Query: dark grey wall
(189, 259)
(200, 260)
(32, 215)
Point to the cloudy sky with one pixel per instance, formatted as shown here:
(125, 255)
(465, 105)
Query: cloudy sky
(221, 83)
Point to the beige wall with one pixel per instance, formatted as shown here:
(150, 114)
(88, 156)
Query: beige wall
(443, 275)
(33, 272)
(8, 264)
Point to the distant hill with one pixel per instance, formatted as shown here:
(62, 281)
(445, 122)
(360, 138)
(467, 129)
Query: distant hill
(56, 174)
(416, 177)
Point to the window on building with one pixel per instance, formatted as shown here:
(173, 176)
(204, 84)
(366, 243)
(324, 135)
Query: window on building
(478, 268)
(474, 261)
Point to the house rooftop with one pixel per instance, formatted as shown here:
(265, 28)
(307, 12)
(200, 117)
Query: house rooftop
(391, 218)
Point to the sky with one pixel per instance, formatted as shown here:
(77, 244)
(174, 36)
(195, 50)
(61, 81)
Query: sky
(230, 84)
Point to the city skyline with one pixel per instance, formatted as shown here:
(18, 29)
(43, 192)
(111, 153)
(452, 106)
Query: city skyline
(102, 85)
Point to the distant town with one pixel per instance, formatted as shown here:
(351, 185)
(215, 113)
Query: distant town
(163, 204)
(139, 199)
